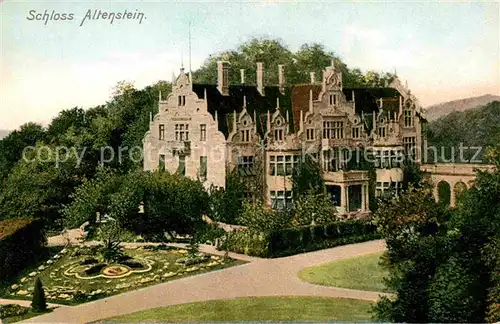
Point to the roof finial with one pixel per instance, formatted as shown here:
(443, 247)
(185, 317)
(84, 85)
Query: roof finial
(244, 101)
(182, 60)
(278, 102)
(190, 79)
(159, 96)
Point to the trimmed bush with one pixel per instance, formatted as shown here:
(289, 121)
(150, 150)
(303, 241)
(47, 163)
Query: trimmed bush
(11, 310)
(39, 304)
(294, 240)
(21, 243)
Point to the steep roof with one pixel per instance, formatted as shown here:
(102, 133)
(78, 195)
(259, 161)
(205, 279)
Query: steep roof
(226, 105)
(294, 100)
(366, 99)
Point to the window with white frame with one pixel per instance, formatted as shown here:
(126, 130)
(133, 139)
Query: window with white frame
(161, 131)
(161, 162)
(333, 100)
(282, 165)
(181, 101)
(388, 158)
(333, 129)
(281, 199)
(278, 134)
(203, 132)
(408, 116)
(246, 165)
(384, 188)
(381, 131)
(310, 134)
(332, 161)
(203, 168)
(409, 145)
(356, 132)
(182, 132)
(245, 135)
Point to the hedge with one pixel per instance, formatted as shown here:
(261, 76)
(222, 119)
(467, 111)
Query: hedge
(290, 241)
(21, 242)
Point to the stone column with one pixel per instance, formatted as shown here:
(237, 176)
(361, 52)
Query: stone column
(343, 197)
(436, 193)
(367, 197)
(362, 197)
(347, 198)
(452, 194)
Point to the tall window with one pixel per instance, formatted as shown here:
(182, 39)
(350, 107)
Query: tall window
(278, 134)
(246, 165)
(408, 117)
(203, 168)
(333, 100)
(181, 169)
(331, 161)
(161, 162)
(333, 130)
(182, 132)
(310, 134)
(203, 132)
(281, 199)
(245, 135)
(181, 101)
(355, 132)
(282, 165)
(161, 131)
(381, 131)
(409, 145)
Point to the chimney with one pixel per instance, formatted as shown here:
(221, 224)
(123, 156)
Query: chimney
(242, 73)
(281, 78)
(260, 78)
(223, 77)
(313, 77)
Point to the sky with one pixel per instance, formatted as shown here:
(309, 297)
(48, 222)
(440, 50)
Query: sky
(445, 50)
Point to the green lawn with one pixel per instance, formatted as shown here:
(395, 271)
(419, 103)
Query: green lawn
(318, 309)
(363, 273)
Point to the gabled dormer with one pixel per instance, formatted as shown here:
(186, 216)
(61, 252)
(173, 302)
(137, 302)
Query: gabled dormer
(278, 125)
(244, 126)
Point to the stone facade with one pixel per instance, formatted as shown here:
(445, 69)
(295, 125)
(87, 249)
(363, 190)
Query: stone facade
(205, 131)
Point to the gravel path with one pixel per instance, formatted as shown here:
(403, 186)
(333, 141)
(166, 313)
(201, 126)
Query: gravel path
(259, 277)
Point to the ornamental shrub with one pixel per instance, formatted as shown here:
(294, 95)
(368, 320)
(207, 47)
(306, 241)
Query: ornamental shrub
(39, 304)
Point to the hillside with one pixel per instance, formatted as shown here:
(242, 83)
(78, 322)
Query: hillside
(477, 127)
(442, 109)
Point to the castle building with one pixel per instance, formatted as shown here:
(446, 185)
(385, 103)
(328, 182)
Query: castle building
(203, 131)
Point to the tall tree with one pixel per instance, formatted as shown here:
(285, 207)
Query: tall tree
(12, 146)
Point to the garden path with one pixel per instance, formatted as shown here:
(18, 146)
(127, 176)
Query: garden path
(259, 277)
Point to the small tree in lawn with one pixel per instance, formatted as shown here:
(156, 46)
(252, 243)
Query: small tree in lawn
(39, 304)
(111, 235)
(193, 248)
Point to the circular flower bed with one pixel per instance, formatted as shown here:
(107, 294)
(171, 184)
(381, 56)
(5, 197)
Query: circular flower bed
(115, 271)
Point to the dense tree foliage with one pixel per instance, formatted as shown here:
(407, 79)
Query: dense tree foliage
(309, 58)
(443, 263)
(307, 177)
(172, 203)
(227, 203)
(474, 129)
(12, 146)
